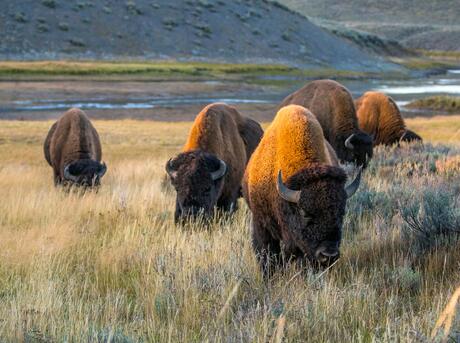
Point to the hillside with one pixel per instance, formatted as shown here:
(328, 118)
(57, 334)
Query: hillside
(431, 25)
(237, 31)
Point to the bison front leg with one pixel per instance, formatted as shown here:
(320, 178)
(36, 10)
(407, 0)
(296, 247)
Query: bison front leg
(266, 248)
(228, 204)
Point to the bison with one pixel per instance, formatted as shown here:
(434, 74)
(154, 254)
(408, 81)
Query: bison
(333, 106)
(208, 172)
(296, 191)
(72, 148)
(379, 116)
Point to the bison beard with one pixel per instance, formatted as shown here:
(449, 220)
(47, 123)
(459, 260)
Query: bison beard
(198, 178)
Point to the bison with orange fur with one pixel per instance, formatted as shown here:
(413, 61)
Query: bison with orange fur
(208, 173)
(296, 191)
(379, 116)
(333, 106)
(73, 149)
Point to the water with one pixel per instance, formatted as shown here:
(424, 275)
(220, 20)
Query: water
(18, 98)
(40, 105)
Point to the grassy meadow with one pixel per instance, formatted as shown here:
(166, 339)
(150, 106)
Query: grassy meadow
(170, 70)
(111, 266)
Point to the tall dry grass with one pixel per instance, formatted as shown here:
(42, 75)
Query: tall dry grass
(112, 267)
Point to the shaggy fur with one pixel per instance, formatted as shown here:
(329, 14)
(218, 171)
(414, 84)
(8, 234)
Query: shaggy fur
(379, 116)
(219, 132)
(332, 104)
(73, 141)
(294, 143)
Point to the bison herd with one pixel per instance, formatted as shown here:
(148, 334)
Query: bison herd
(289, 175)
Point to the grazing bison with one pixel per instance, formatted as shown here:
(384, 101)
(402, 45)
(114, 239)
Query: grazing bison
(379, 116)
(208, 173)
(296, 191)
(333, 106)
(72, 148)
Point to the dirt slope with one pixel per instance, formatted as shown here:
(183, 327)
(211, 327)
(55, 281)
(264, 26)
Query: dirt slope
(251, 30)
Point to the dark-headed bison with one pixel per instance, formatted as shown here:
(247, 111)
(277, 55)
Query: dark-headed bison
(72, 148)
(333, 106)
(208, 173)
(379, 116)
(296, 191)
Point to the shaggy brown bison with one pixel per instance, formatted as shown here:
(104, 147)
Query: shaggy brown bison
(72, 148)
(379, 116)
(296, 191)
(333, 106)
(208, 173)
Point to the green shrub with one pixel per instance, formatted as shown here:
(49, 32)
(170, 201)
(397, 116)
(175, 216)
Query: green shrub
(63, 26)
(170, 24)
(432, 219)
(49, 3)
(77, 42)
(20, 17)
(132, 8)
(42, 27)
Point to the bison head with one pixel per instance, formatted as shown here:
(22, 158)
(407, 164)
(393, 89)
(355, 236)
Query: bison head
(410, 136)
(198, 178)
(86, 173)
(312, 209)
(360, 146)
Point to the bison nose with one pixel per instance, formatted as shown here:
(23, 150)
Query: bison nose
(327, 253)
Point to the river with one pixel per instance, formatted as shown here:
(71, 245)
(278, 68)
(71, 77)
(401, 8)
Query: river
(182, 100)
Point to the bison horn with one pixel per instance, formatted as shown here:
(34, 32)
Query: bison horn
(169, 169)
(348, 143)
(403, 136)
(220, 172)
(68, 175)
(286, 193)
(102, 170)
(353, 187)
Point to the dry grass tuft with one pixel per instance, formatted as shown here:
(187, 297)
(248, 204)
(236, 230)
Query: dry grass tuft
(447, 316)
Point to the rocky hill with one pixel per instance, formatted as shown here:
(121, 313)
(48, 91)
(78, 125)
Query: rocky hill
(431, 25)
(234, 31)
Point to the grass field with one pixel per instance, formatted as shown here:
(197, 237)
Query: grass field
(158, 70)
(112, 267)
(443, 103)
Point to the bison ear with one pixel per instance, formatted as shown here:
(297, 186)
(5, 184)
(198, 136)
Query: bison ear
(169, 169)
